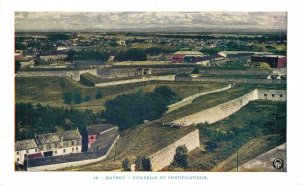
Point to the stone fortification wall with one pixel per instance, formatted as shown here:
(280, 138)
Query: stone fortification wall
(75, 75)
(235, 80)
(235, 72)
(117, 72)
(143, 79)
(64, 161)
(120, 72)
(165, 156)
(189, 99)
(216, 113)
(165, 71)
(219, 112)
(273, 95)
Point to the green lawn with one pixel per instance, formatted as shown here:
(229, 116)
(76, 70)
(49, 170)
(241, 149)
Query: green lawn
(255, 129)
(210, 100)
(143, 139)
(50, 90)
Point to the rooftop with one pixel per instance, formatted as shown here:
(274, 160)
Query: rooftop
(104, 140)
(225, 53)
(188, 53)
(25, 144)
(97, 129)
(274, 56)
(47, 138)
(70, 135)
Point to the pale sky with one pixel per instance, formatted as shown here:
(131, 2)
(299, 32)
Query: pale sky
(44, 21)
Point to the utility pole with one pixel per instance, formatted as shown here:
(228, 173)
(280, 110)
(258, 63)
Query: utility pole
(116, 150)
(237, 160)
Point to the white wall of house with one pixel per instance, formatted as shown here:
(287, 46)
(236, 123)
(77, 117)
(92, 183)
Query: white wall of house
(20, 156)
(67, 150)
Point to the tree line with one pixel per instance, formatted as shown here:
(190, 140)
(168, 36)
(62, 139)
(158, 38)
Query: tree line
(132, 109)
(40, 119)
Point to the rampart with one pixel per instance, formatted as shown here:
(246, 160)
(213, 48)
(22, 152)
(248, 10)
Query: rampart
(120, 72)
(235, 72)
(143, 79)
(165, 156)
(64, 161)
(74, 74)
(235, 80)
(189, 99)
(219, 112)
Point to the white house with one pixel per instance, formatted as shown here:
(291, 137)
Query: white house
(25, 148)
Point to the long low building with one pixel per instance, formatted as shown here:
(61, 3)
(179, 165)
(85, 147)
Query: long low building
(54, 148)
(235, 54)
(275, 61)
(51, 144)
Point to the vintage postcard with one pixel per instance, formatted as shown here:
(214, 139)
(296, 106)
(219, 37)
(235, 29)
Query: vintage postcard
(179, 93)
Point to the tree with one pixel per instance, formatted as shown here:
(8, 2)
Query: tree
(87, 98)
(98, 95)
(68, 97)
(17, 66)
(77, 97)
(180, 157)
(143, 163)
(195, 70)
(126, 165)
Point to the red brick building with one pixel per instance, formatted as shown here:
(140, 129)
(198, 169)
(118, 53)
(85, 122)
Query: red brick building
(94, 131)
(275, 61)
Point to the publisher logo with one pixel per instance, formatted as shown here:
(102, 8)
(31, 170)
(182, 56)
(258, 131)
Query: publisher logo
(278, 163)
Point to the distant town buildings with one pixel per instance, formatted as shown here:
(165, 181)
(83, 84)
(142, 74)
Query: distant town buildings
(53, 56)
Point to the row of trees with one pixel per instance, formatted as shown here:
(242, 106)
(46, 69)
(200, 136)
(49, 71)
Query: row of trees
(143, 163)
(76, 97)
(40, 119)
(132, 109)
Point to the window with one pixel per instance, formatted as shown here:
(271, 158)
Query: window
(36, 150)
(76, 148)
(265, 95)
(73, 143)
(72, 149)
(273, 95)
(48, 147)
(64, 150)
(18, 153)
(27, 151)
(25, 155)
(18, 159)
(55, 151)
(280, 95)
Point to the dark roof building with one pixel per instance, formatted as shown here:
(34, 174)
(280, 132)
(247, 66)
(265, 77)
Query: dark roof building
(275, 61)
(98, 129)
(70, 135)
(47, 138)
(25, 145)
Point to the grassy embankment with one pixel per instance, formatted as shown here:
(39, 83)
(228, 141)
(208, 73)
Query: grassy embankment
(50, 91)
(255, 129)
(140, 140)
(210, 100)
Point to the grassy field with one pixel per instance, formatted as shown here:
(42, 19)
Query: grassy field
(147, 138)
(49, 91)
(143, 139)
(247, 130)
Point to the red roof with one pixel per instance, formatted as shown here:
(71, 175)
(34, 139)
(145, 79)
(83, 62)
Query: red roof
(35, 155)
(178, 56)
